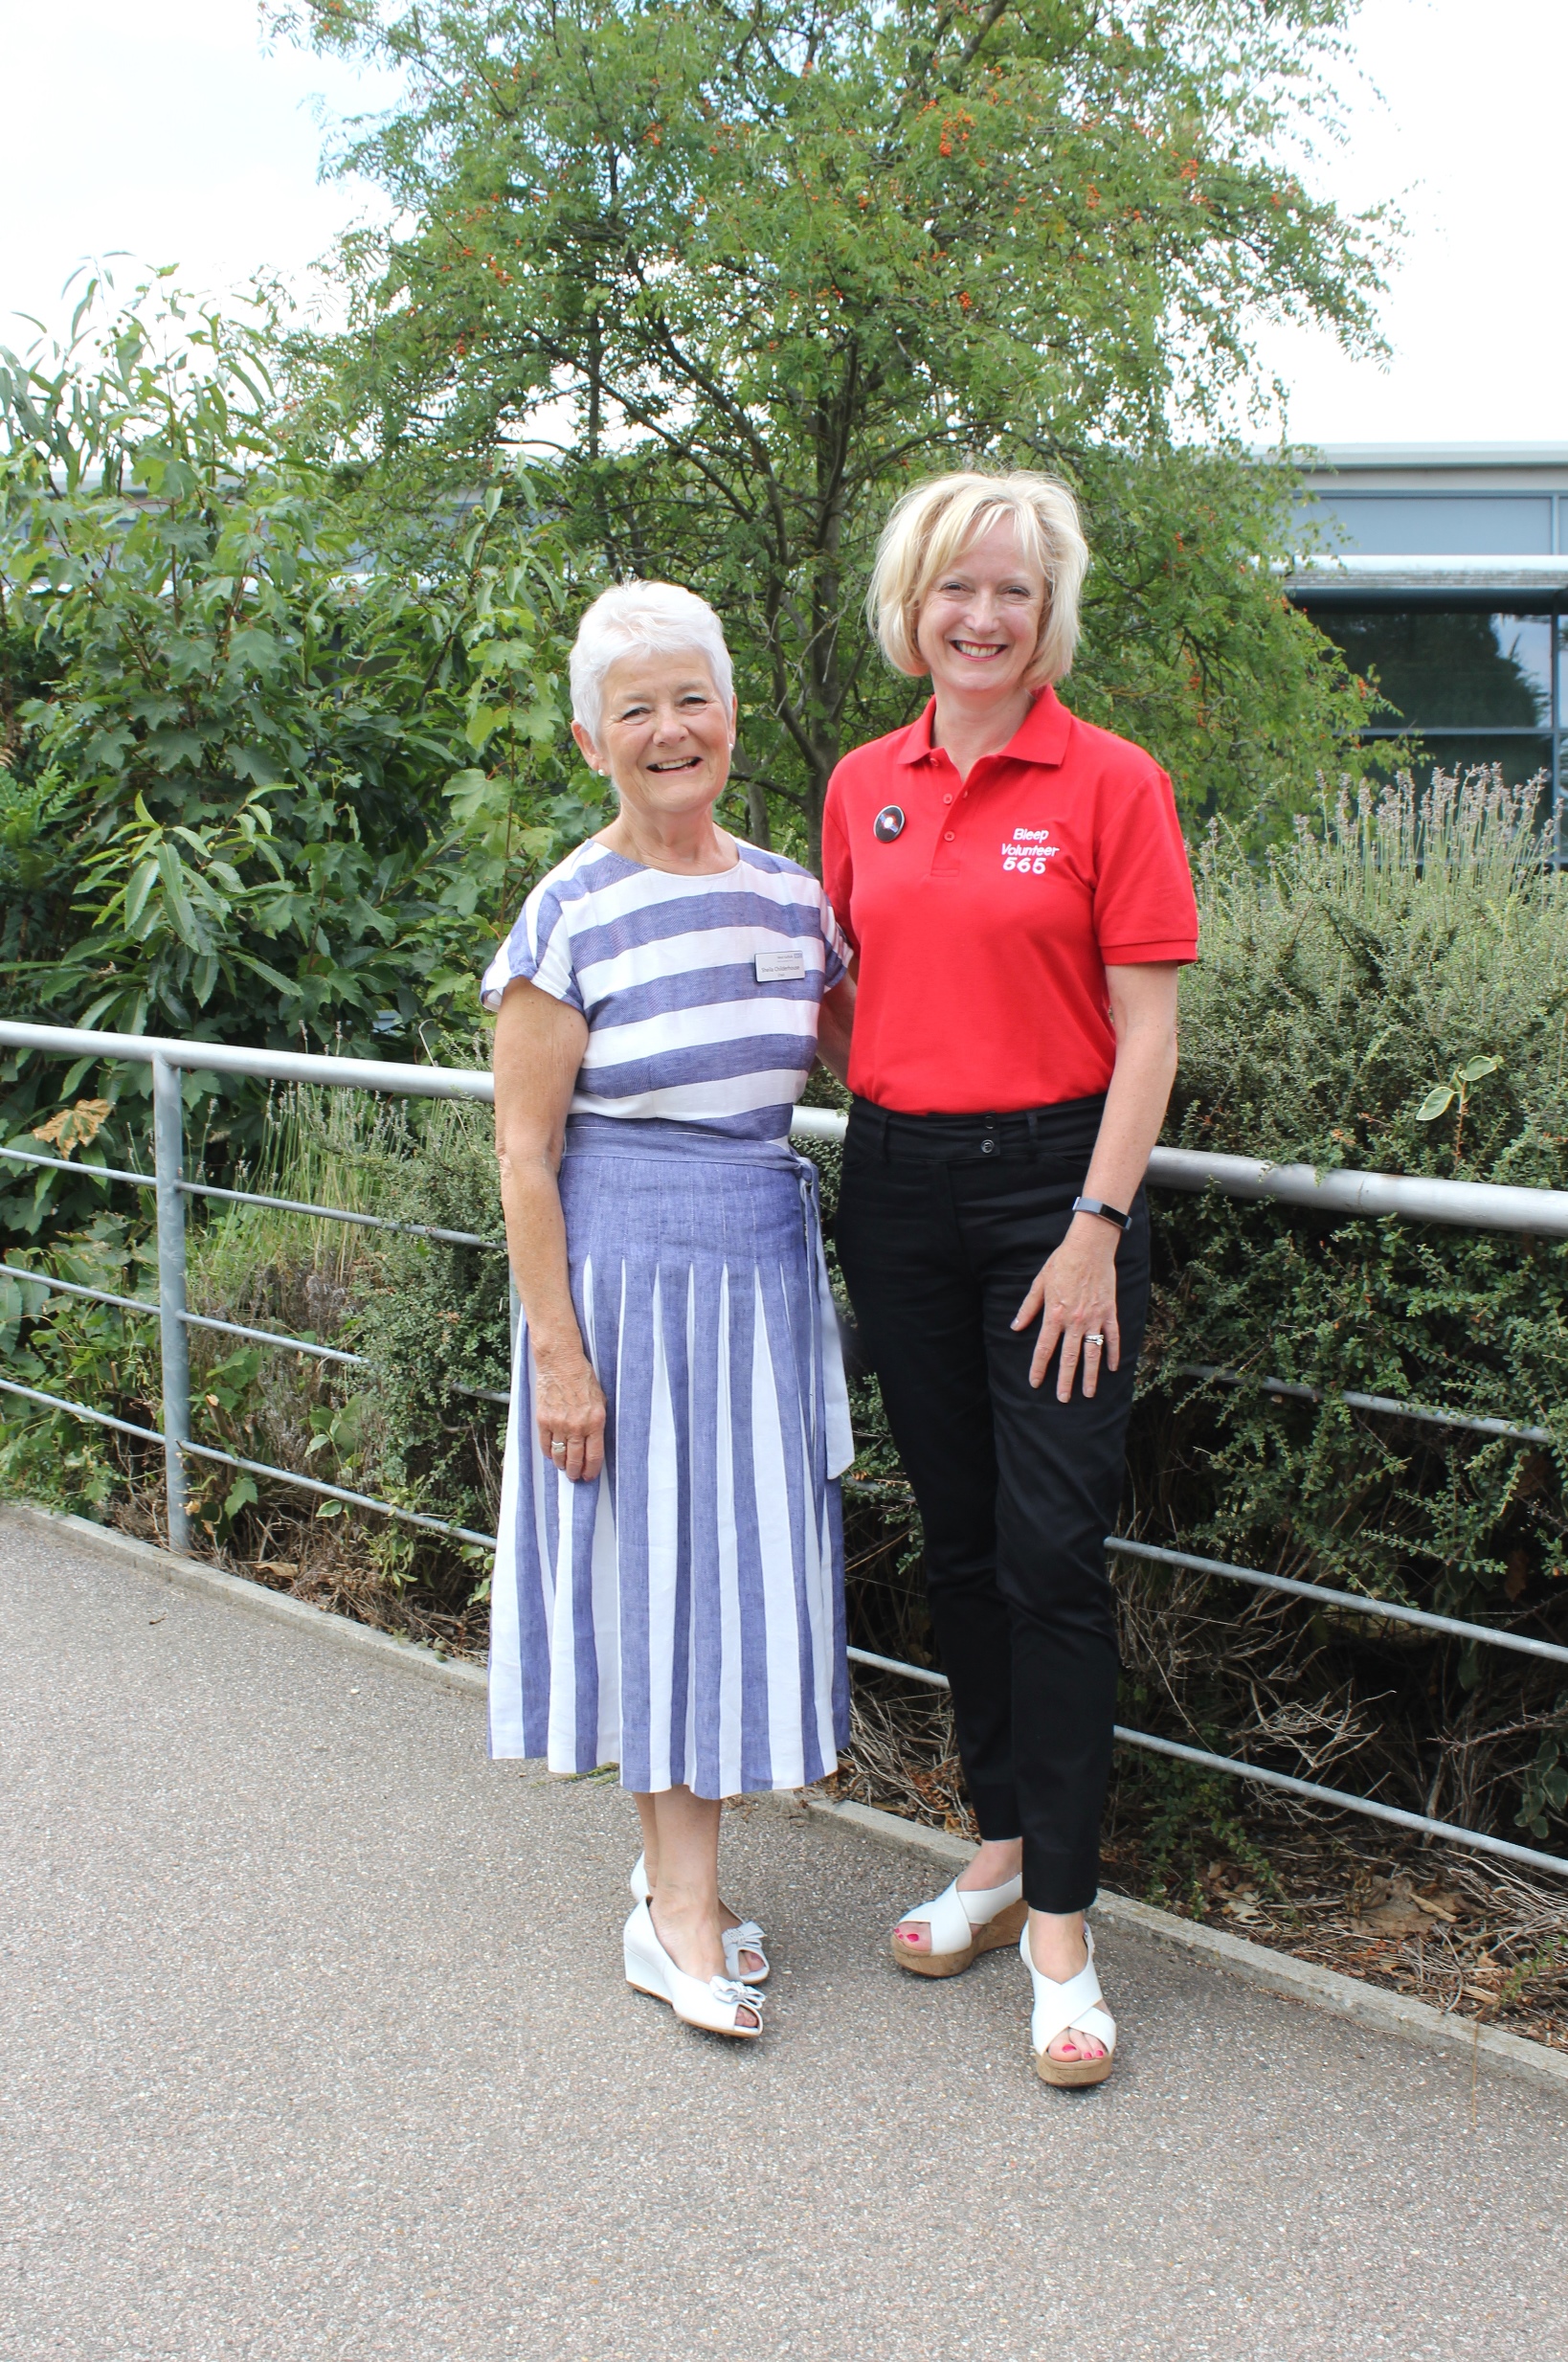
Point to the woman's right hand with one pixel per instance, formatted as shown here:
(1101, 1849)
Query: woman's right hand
(568, 1409)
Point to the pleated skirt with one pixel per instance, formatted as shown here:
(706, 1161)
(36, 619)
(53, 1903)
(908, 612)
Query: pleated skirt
(682, 1615)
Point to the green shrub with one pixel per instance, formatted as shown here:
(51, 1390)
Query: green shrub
(278, 759)
(1391, 994)
(436, 1323)
(1388, 993)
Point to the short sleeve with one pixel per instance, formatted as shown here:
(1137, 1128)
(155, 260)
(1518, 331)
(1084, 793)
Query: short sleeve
(538, 950)
(836, 949)
(1145, 910)
(837, 867)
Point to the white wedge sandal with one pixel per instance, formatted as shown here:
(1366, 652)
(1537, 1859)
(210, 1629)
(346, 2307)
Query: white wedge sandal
(1077, 2002)
(748, 1937)
(962, 1926)
(714, 2003)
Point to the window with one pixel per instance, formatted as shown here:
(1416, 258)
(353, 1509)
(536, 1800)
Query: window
(1468, 687)
(1435, 522)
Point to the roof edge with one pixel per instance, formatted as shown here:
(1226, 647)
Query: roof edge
(1348, 457)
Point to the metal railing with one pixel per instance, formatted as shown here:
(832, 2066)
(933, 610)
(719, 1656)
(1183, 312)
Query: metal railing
(1542, 1213)
(168, 1059)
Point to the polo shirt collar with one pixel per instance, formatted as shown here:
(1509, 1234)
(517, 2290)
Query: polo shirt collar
(1041, 737)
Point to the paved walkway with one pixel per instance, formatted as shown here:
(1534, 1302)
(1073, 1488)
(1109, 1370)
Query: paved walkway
(313, 2042)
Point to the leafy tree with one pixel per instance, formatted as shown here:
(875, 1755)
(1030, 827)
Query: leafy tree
(754, 268)
(278, 766)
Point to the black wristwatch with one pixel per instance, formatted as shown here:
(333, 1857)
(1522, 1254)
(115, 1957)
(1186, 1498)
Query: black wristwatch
(1106, 1213)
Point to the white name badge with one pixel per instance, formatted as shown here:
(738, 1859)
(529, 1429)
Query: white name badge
(780, 967)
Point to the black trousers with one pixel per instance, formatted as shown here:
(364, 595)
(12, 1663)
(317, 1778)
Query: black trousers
(943, 1222)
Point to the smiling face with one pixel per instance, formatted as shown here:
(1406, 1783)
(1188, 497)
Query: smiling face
(665, 734)
(980, 621)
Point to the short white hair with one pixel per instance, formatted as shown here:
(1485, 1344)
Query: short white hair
(933, 525)
(643, 618)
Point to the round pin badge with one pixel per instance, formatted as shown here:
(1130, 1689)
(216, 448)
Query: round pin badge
(887, 824)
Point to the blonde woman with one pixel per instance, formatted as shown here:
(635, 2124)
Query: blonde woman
(1016, 888)
(668, 1590)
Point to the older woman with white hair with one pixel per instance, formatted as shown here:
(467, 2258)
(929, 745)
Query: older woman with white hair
(668, 1591)
(1016, 888)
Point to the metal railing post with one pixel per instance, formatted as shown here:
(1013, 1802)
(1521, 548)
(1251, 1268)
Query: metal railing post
(169, 1153)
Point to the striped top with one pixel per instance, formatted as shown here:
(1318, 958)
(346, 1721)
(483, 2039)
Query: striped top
(701, 993)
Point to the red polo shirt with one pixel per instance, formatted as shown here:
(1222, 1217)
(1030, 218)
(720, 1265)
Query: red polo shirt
(985, 926)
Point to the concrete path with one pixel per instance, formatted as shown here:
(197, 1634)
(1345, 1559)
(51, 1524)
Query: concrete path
(313, 2042)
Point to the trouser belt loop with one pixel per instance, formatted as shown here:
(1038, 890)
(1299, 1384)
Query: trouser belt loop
(877, 1117)
(1031, 1118)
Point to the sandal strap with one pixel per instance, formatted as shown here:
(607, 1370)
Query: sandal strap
(953, 1915)
(1077, 2001)
(945, 1921)
(982, 1904)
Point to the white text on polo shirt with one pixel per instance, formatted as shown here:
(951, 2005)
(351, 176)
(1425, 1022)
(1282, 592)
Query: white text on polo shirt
(1028, 852)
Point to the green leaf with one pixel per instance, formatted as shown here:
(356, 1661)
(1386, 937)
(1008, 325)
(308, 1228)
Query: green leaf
(171, 748)
(288, 986)
(255, 647)
(249, 762)
(241, 1493)
(98, 1008)
(1436, 1103)
(1477, 1066)
(143, 878)
(469, 792)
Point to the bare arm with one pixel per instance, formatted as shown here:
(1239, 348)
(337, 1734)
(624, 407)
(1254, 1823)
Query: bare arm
(1077, 1287)
(538, 1050)
(834, 1029)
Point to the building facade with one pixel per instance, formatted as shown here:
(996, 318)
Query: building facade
(1445, 571)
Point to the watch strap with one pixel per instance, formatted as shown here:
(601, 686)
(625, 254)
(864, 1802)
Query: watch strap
(1105, 1213)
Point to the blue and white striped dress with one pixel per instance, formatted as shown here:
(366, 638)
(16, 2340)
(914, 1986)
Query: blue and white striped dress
(683, 1617)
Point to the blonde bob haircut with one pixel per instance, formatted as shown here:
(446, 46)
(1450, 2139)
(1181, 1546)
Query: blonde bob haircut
(933, 525)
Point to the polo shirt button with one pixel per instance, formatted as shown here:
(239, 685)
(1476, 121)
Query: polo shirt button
(946, 836)
(947, 799)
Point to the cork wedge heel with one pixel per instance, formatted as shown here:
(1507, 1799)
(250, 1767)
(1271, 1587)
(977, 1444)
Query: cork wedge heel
(1078, 2002)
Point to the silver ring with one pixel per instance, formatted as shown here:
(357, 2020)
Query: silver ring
(1093, 1337)
(557, 1450)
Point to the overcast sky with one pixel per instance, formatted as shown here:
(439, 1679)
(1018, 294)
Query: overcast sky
(164, 127)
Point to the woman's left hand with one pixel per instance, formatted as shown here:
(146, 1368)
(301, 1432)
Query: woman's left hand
(1076, 1291)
